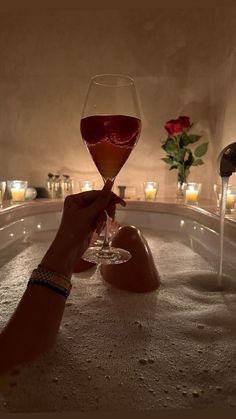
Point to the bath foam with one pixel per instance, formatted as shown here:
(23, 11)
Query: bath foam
(172, 348)
(139, 274)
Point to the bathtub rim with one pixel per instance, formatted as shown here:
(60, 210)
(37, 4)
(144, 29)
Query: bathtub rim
(203, 215)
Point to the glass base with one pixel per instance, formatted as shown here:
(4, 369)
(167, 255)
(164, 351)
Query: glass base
(114, 255)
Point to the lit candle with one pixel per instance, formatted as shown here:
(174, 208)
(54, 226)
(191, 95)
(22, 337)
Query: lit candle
(192, 192)
(18, 194)
(191, 196)
(86, 185)
(18, 189)
(86, 188)
(150, 191)
(230, 201)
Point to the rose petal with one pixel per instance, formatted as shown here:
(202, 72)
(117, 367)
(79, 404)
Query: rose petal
(173, 126)
(184, 121)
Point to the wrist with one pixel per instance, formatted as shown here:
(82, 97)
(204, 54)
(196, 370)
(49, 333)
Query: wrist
(60, 257)
(49, 279)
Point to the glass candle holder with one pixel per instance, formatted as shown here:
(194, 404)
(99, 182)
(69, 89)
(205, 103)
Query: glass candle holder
(121, 191)
(2, 191)
(192, 191)
(150, 190)
(230, 197)
(17, 189)
(86, 185)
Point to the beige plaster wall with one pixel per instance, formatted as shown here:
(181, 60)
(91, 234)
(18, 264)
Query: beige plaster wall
(182, 61)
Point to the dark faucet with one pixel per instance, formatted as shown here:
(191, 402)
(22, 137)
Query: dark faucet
(227, 160)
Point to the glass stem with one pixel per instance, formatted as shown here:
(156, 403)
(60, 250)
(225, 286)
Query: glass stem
(106, 244)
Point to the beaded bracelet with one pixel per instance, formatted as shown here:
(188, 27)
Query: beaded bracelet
(56, 282)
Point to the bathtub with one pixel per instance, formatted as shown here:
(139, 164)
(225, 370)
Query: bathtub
(173, 348)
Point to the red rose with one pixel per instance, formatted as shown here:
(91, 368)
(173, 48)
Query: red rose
(176, 126)
(184, 121)
(173, 126)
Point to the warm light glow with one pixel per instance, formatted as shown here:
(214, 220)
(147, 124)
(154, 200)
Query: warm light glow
(86, 185)
(150, 190)
(230, 199)
(191, 196)
(230, 196)
(18, 188)
(192, 193)
(18, 194)
(150, 193)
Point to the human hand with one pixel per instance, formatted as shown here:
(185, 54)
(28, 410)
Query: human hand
(83, 213)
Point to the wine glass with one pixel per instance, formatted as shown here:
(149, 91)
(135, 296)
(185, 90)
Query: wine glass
(110, 127)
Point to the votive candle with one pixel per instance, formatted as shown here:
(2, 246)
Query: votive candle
(192, 193)
(230, 200)
(86, 185)
(18, 189)
(17, 194)
(191, 196)
(150, 190)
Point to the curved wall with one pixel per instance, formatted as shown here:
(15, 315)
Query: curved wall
(183, 63)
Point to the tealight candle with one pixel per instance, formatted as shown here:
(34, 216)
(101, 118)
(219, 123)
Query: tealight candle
(230, 197)
(150, 190)
(17, 194)
(191, 196)
(230, 200)
(17, 190)
(86, 185)
(192, 192)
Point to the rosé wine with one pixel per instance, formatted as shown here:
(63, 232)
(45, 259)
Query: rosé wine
(110, 140)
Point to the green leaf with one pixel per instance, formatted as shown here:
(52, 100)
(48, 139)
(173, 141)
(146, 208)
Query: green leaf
(174, 166)
(168, 160)
(170, 145)
(194, 138)
(197, 162)
(201, 150)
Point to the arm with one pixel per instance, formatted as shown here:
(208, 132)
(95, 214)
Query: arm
(35, 323)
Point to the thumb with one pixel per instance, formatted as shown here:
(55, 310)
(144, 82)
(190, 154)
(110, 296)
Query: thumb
(103, 199)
